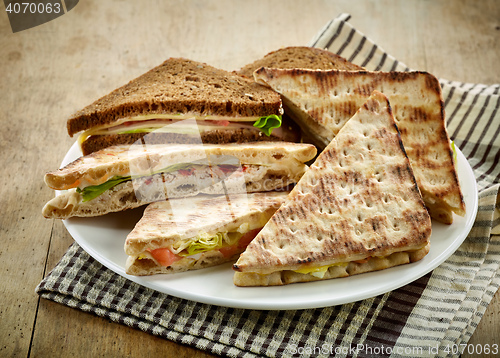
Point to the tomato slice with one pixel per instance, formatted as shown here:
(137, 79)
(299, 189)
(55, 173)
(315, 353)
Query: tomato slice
(221, 122)
(186, 172)
(164, 256)
(229, 251)
(248, 237)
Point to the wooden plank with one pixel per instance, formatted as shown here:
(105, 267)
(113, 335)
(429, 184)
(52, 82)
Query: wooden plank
(26, 107)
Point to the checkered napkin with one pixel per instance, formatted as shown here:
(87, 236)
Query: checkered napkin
(425, 318)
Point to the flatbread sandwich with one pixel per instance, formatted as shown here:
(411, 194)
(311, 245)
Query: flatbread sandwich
(124, 177)
(178, 235)
(225, 107)
(322, 101)
(357, 209)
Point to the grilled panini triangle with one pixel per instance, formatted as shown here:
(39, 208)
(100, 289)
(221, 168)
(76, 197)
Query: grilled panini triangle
(321, 102)
(356, 209)
(156, 172)
(179, 225)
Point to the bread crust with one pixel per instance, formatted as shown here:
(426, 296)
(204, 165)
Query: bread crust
(300, 57)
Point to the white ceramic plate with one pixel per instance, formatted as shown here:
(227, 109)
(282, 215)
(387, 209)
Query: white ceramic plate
(103, 238)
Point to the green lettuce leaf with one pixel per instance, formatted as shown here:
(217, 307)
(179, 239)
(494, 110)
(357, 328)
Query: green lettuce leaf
(91, 192)
(454, 151)
(202, 244)
(267, 123)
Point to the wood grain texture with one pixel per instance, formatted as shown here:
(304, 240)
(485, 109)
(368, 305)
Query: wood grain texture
(51, 71)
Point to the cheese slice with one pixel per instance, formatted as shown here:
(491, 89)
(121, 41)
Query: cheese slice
(161, 119)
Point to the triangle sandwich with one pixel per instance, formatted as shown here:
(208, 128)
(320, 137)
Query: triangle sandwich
(356, 209)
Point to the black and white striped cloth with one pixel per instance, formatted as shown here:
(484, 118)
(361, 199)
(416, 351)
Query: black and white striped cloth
(432, 316)
(472, 110)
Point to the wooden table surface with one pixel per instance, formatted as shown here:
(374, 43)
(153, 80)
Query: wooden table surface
(50, 71)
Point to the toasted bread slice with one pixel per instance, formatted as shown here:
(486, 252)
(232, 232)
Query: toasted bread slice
(179, 86)
(357, 209)
(300, 57)
(323, 101)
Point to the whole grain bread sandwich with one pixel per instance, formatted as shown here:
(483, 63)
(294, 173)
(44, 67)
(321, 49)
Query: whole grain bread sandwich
(322, 101)
(124, 177)
(182, 101)
(357, 209)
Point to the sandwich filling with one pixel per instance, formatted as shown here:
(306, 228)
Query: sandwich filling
(335, 270)
(168, 174)
(320, 271)
(228, 244)
(162, 123)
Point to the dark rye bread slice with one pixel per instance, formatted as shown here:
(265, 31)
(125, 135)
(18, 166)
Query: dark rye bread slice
(180, 86)
(290, 132)
(357, 209)
(300, 57)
